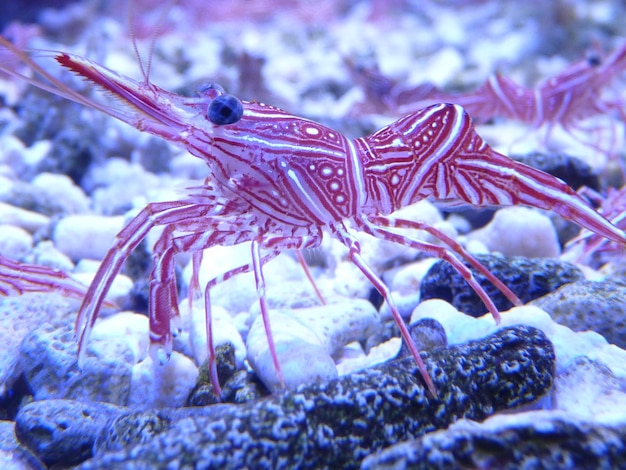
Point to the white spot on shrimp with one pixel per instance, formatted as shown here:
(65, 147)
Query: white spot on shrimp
(434, 124)
(331, 135)
(283, 202)
(283, 164)
(334, 186)
(340, 172)
(327, 171)
(312, 167)
(395, 180)
(397, 142)
(425, 139)
(312, 130)
(340, 199)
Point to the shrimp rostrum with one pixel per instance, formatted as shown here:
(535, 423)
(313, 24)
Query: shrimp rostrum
(280, 182)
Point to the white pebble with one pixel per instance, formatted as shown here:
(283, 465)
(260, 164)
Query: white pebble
(63, 191)
(224, 331)
(408, 278)
(118, 292)
(46, 254)
(520, 231)
(86, 236)
(15, 242)
(588, 390)
(167, 385)
(131, 327)
(301, 363)
(28, 220)
(314, 333)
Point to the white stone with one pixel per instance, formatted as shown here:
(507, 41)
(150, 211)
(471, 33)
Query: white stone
(378, 355)
(301, 363)
(28, 220)
(167, 385)
(15, 242)
(224, 331)
(339, 324)
(520, 231)
(313, 333)
(129, 326)
(63, 191)
(46, 254)
(20, 158)
(459, 327)
(86, 236)
(239, 294)
(119, 290)
(408, 278)
(590, 391)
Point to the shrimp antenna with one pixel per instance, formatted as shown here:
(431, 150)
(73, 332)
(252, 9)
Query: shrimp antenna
(145, 71)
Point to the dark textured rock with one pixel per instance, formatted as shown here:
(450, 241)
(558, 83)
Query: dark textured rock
(48, 358)
(529, 278)
(427, 334)
(337, 424)
(237, 386)
(13, 455)
(542, 442)
(132, 428)
(62, 431)
(590, 305)
(574, 171)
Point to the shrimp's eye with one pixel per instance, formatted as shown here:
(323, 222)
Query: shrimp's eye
(594, 59)
(225, 109)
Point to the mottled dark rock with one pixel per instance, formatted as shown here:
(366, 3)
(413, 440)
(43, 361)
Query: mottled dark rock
(20, 315)
(62, 431)
(574, 171)
(590, 305)
(133, 428)
(49, 363)
(528, 278)
(237, 386)
(337, 424)
(13, 455)
(74, 145)
(427, 333)
(544, 441)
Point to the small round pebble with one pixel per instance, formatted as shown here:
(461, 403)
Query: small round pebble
(520, 231)
(86, 236)
(154, 385)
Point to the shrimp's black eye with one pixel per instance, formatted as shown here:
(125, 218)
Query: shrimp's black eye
(594, 59)
(225, 109)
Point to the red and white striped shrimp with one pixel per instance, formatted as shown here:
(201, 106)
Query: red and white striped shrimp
(565, 100)
(19, 278)
(280, 182)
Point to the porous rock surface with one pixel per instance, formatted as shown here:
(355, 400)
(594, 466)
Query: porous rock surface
(590, 305)
(528, 278)
(338, 423)
(537, 440)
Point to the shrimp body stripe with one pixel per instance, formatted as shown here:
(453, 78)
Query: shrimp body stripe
(439, 154)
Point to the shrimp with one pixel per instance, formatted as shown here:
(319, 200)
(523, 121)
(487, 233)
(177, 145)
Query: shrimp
(17, 278)
(565, 99)
(281, 182)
